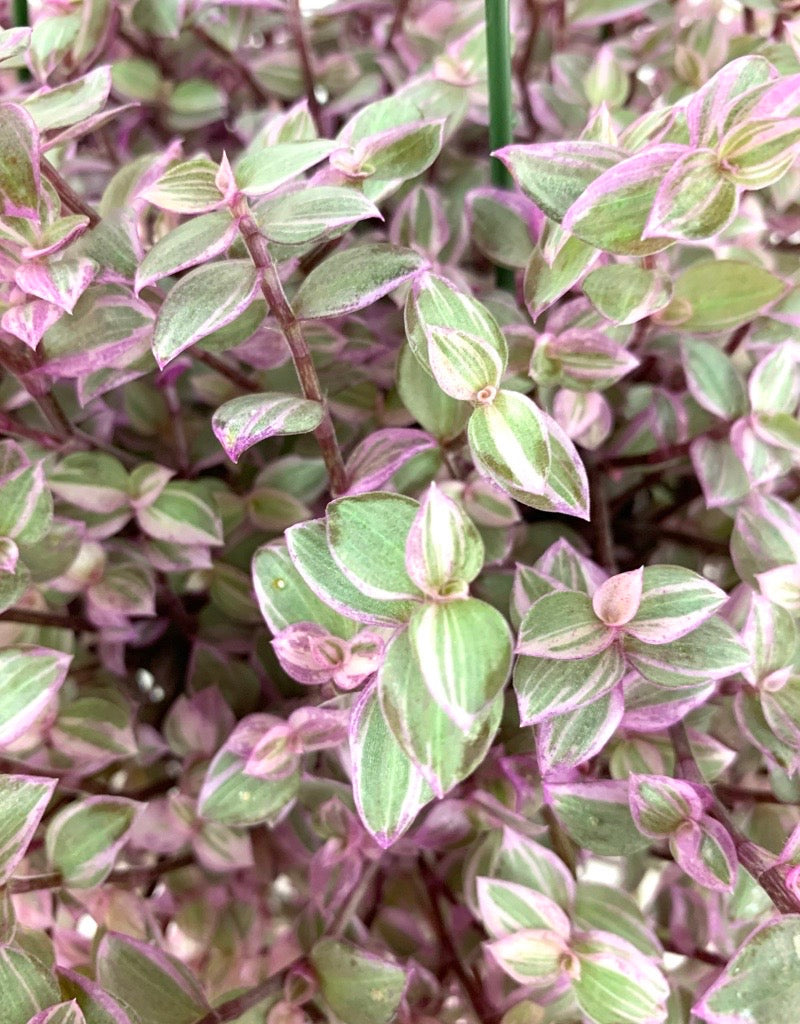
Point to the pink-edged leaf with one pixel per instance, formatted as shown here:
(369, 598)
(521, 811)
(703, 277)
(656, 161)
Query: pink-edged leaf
(711, 105)
(757, 153)
(706, 852)
(660, 804)
(761, 983)
(20, 182)
(570, 739)
(444, 551)
(308, 653)
(536, 956)
(615, 983)
(378, 457)
(674, 601)
(585, 359)
(243, 422)
(95, 1004)
(555, 174)
(84, 838)
(196, 241)
(597, 815)
(612, 212)
(694, 200)
(153, 984)
(276, 755)
(29, 321)
(563, 625)
(712, 651)
(30, 678)
(651, 708)
(574, 570)
(320, 728)
(23, 801)
(355, 278)
(507, 907)
(62, 1013)
(61, 282)
(616, 601)
(546, 687)
(388, 788)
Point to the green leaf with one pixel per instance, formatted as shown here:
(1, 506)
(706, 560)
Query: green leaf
(285, 598)
(761, 983)
(455, 337)
(444, 752)
(353, 279)
(603, 907)
(444, 551)
(400, 153)
(569, 739)
(195, 241)
(30, 677)
(694, 201)
(207, 298)
(510, 443)
(712, 651)
(563, 625)
(718, 295)
(388, 788)
(712, 379)
(19, 163)
(625, 294)
(436, 412)
(550, 274)
(500, 229)
(617, 984)
(96, 1005)
(555, 174)
(95, 481)
(187, 187)
(359, 987)
(26, 984)
(674, 601)
(547, 687)
(597, 816)
(70, 103)
(464, 650)
(84, 838)
(367, 538)
(243, 422)
(507, 907)
(534, 956)
(312, 213)
(23, 801)
(311, 555)
(156, 986)
(230, 796)
(181, 514)
(264, 170)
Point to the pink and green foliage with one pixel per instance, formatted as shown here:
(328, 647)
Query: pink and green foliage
(399, 532)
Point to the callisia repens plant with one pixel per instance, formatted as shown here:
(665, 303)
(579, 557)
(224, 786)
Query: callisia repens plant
(399, 513)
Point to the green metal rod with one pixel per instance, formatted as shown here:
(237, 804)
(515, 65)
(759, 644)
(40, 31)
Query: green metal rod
(20, 13)
(20, 19)
(498, 54)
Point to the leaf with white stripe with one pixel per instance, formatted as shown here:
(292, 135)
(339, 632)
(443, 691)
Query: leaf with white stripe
(758, 153)
(455, 337)
(571, 739)
(389, 789)
(674, 602)
(546, 687)
(444, 753)
(510, 443)
(464, 650)
(712, 651)
(84, 838)
(616, 983)
(244, 421)
(506, 907)
(23, 800)
(26, 984)
(367, 538)
(563, 625)
(30, 678)
(534, 956)
(694, 200)
(444, 551)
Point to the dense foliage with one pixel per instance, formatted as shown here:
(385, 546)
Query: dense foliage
(399, 548)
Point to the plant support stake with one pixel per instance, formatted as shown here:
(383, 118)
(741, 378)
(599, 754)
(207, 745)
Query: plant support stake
(498, 53)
